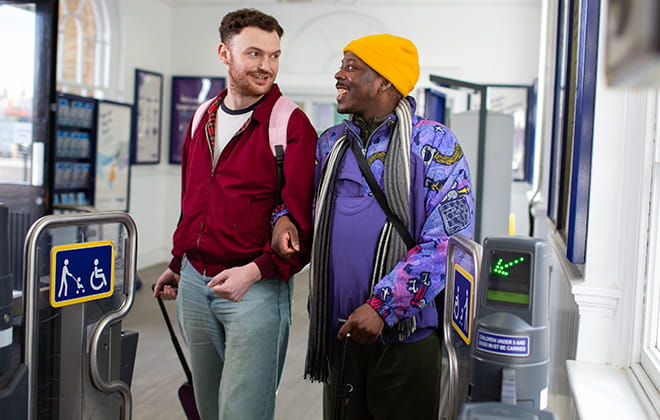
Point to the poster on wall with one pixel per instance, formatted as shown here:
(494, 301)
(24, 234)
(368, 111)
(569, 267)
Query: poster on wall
(148, 109)
(112, 179)
(187, 94)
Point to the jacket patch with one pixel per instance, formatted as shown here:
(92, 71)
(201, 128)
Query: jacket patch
(433, 185)
(431, 154)
(418, 288)
(455, 214)
(378, 301)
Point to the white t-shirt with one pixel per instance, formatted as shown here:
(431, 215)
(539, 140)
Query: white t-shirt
(227, 124)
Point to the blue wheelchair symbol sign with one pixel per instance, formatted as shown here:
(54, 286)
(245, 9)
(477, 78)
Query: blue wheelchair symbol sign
(461, 318)
(82, 272)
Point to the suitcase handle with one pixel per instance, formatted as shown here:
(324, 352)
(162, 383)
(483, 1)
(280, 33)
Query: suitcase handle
(175, 340)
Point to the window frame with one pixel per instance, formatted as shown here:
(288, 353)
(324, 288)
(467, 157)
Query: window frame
(576, 64)
(645, 363)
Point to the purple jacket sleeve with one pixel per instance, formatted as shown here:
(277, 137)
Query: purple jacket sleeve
(448, 207)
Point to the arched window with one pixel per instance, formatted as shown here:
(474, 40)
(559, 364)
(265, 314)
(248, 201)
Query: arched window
(83, 48)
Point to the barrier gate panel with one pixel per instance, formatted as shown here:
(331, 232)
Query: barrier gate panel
(463, 265)
(85, 276)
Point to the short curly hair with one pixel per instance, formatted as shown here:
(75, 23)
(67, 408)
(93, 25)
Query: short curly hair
(234, 22)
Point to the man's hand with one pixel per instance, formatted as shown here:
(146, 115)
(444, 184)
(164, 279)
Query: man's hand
(165, 285)
(233, 283)
(285, 241)
(364, 324)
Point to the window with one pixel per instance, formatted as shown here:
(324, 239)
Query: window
(573, 116)
(83, 39)
(17, 22)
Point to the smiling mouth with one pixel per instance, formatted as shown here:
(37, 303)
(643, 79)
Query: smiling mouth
(341, 91)
(262, 77)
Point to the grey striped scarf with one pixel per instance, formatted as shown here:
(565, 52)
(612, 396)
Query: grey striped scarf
(390, 249)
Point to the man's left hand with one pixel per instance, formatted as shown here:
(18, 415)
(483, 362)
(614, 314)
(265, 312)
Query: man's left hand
(364, 324)
(233, 283)
(285, 241)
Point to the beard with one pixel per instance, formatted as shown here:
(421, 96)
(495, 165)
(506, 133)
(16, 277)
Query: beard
(243, 84)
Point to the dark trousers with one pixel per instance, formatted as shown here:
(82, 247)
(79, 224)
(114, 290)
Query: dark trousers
(390, 381)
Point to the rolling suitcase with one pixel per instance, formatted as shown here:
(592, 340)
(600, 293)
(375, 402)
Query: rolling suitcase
(186, 393)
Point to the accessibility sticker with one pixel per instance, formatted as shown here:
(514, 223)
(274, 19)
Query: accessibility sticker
(461, 318)
(82, 272)
(505, 345)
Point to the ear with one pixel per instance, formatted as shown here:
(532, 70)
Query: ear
(385, 85)
(223, 52)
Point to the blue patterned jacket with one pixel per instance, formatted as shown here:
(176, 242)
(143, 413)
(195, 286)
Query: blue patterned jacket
(441, 204)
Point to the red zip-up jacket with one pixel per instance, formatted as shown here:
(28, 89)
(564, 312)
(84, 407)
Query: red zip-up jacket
(226, 211)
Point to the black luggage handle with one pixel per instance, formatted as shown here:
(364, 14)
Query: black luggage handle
(342, 389)
(175, 340)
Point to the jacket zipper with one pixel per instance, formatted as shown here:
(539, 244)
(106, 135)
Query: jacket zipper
(208, 188)
(366, 146)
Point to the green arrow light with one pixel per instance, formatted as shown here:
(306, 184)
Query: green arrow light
(501, 267)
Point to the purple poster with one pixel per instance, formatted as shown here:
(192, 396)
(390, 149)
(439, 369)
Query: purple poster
(187, 94)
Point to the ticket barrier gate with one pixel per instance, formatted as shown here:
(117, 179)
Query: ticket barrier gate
(69, 358)
(495, 330)
(463, 268)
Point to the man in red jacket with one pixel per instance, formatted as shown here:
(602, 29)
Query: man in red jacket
(233, 298)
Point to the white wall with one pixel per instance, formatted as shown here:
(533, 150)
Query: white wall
(146, 26)
(495, 41)
(480, 41)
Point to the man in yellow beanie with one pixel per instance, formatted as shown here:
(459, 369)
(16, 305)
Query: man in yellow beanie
(378, 262)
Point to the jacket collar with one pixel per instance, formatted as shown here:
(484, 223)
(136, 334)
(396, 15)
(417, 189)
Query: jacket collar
(261, 112)
(386, 123)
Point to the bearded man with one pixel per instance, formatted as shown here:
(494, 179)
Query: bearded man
(233, 294)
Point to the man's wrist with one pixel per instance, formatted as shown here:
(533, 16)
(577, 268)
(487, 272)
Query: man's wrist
(279, 211)
(388, 316)
(255, 272)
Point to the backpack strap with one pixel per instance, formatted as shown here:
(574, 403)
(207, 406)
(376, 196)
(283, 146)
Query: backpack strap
(279, 122)
(199, 113)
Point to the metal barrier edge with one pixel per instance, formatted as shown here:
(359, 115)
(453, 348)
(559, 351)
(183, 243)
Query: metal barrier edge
(473, 249)
(30, 309)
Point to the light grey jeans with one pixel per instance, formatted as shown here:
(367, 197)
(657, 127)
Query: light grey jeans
(237, 349)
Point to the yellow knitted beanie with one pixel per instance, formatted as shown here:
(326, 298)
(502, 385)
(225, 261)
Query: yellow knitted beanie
(392, 57)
